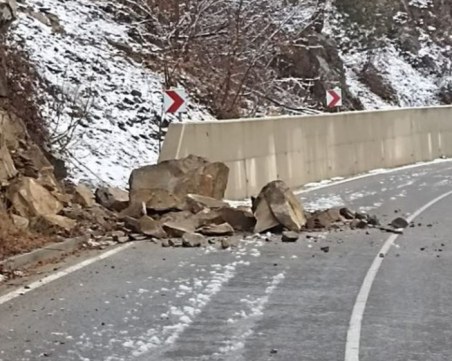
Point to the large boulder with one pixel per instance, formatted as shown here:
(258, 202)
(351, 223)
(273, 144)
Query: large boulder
(190, 175)
(112, 198)
(30, 199)
(275, 206)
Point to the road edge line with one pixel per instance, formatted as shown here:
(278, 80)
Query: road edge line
(354, 331)
(54, 276)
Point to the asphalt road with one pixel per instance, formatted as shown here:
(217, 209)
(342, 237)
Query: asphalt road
(264, 300)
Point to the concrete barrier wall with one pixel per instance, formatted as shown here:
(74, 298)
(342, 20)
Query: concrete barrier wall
(304, 149)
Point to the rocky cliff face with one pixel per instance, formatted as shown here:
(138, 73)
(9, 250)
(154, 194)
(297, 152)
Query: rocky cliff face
(101, 66)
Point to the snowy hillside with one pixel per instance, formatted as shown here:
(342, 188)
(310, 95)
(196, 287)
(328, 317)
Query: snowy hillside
(107, 101)
(72, 45)
(413, 74)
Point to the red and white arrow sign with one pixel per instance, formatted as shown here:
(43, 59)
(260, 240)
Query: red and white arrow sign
(334, 98)
(175, 101)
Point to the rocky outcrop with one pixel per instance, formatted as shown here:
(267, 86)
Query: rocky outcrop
(7, 168)
(30, 199)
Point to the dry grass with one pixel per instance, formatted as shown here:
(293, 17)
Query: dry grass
(14, 241)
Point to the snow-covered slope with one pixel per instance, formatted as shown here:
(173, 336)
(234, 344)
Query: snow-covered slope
(115, 101)
(400, 69)
(92, 78)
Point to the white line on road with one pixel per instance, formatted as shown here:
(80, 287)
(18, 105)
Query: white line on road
(54, 276)
(372, 173)
(354, 330)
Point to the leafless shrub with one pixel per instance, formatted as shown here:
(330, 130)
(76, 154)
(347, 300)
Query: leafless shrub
(69, 109)
(227, 46)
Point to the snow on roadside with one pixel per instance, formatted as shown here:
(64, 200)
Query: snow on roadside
(82, 62)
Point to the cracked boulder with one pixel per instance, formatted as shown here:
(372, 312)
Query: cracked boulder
(276, 206)
(179, 177)
(30, 199)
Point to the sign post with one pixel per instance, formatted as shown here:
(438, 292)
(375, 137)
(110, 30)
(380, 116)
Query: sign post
(334, 98)
(174, 102)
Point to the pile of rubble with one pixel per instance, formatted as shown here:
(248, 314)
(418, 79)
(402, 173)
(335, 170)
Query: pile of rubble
(177, 202)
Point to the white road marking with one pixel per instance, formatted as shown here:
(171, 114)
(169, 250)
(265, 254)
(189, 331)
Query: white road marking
(373, 173)
(354, 330)
(54, 276)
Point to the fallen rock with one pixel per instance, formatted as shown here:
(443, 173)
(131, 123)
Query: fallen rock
(225, 243)
(13, 129)
(119, 236)
(373, 221)
(323, 219)
(176, 229)
(7, 168)
(360, 224)
(190, 175)
(224, 229)
(150, 227)
(137, 237)
(52, 224)
(347, 213)
(399, 223)
(361, 215)
(241, 220)
(178, 223)
(20, 222)
(391, 230)
(231, 242)
(193, 240)
(83, 196)
(133, 210)
(196, 203)
(65, 198)
(112, 198)
(30, 199)
(289, 236)
(175, 242)
(208, 216)
(265, 219)
(284, 207)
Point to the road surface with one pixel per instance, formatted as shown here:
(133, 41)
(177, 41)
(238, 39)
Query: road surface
(264, 300)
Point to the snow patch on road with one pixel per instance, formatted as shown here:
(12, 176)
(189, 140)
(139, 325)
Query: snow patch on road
(247, 318)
